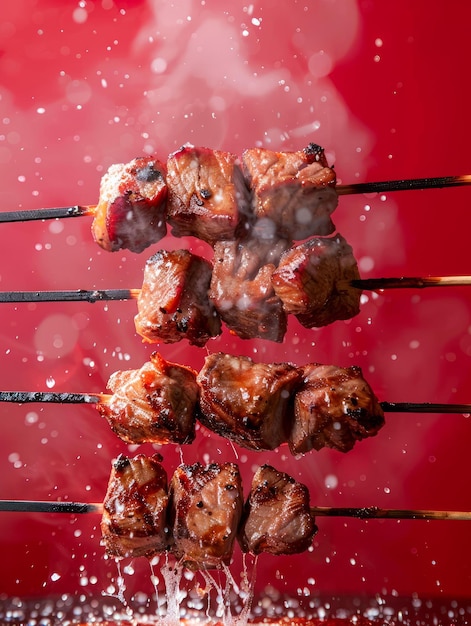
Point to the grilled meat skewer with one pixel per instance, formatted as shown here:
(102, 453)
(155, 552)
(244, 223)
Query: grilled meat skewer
(258, 405)
(203, 513)
(402, 184)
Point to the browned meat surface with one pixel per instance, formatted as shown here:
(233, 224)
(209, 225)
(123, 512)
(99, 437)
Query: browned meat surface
(157, 403)
(277, 518)
(208, 196)
(247, 402)
(241, 287)
(312, 280)
(173, 303)
(131, 210)
(134, 521)
(334, 408)
(296, 190)
(205, 511)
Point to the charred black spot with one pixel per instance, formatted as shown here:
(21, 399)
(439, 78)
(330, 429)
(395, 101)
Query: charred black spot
(248, 423)
(182, 324)
(200, 504)
(357, 413)
(205, 193)
(148, 174)
(121, 463)
(313, 149)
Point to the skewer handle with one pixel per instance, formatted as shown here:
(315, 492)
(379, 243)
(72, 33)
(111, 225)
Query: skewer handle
(22, 397)
(409, 282)
(373, 512)
(79, 295)
(46, 214)
(32, 506)
(425, 407)
(404, 185)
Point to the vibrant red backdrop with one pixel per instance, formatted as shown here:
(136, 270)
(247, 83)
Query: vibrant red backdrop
(383, 86)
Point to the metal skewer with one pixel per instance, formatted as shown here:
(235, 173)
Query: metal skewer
(404, 185)
(100, 295)
(24, 397)
(372, 512)
(47, 214)
(411, 184)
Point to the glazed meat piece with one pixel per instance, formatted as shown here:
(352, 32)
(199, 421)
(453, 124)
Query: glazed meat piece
(241, 287)
(134, 521)
(296, 190)
(208, 196)
(173, 303)
(335, 407)
(313, 281)
(205, 511)
(277, 518)
(247, 402)
(157, 403)
(131, 210)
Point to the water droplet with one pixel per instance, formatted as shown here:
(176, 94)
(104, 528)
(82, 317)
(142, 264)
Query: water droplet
(50, 382)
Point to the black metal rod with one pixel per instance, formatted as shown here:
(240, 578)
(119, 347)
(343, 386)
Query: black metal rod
(79, 295)
(404, 185)
(33, 506)
(424, 407)
(45, 214)
(22, 397)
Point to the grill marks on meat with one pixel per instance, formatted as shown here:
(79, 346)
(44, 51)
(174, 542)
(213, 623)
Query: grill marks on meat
(134, 521)
(208, 196)
(173, 303)
(131, 211)
(313, 281)
(205, 510)
(259, 406)
(201, 514)
(252, 286)
(242, 290)
(157, 403)
(334, 408)
(295, 190)
(277, 517)
(247, 402)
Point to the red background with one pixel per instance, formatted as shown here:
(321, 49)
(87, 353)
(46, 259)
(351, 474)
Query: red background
(383, 86)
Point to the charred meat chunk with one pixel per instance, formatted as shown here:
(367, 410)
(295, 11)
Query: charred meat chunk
(313, 281)
(335, 407)
(134, 521)
(154, 404)
(173, 303)
(205, 511)
(277, 518)
(296, 190)
(208, 196)
(242, 290)
(132, 207)
(247, 402)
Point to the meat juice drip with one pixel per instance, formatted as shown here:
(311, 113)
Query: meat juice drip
(181, 595)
